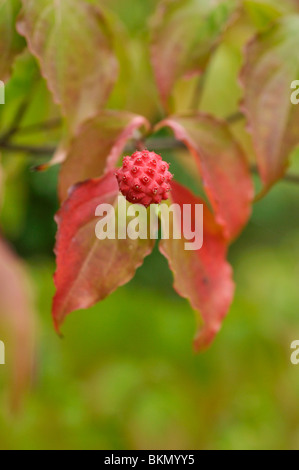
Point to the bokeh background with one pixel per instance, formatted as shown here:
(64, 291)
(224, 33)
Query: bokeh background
(124, 376)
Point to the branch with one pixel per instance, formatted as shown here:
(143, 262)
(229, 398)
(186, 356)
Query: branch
(288, 177)
(36, 151)
(20, 113)
(16, 122)
(198, 91)
(235, 117)
(157, 143)
(163, 143)
(41, 126)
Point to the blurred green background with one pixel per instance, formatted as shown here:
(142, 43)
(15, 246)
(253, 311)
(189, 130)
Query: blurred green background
(124, 376)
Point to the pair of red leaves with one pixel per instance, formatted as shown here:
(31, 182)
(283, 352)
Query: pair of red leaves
(183, 35)
(89, 269)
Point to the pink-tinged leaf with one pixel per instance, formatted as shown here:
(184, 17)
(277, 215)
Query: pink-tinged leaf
(222, 165)
(17, 321)
(71, 40)
(184, 34)
(10, 42)
(97, 147)
(271, 65)
(203, 276)
(89, 269)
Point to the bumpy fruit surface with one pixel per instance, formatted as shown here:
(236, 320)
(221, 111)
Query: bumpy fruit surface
(144, 178)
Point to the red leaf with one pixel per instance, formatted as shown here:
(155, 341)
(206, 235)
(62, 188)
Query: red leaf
(271, 65)
(203, 276)
(222, 165)
(17, 319)
(89, 269)
(184, 33)
(97, 147)
(71, 40)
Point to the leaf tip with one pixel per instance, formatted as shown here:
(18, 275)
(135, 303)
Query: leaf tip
(40, 168)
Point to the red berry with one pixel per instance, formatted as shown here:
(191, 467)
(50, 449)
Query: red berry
(142, 178)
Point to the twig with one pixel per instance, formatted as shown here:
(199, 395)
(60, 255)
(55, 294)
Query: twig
(198, 91)
(36, 151)
(288, 177)
(41, 126)
(16, 122)
(157, 143)
(235, 117)
(165, 143)
(20, 113)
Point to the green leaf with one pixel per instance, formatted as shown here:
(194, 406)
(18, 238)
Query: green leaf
(184, 34)
(262, 13)
(71, 40)
(10, 42)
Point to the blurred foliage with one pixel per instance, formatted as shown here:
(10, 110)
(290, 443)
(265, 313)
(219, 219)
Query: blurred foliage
(125, 376)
